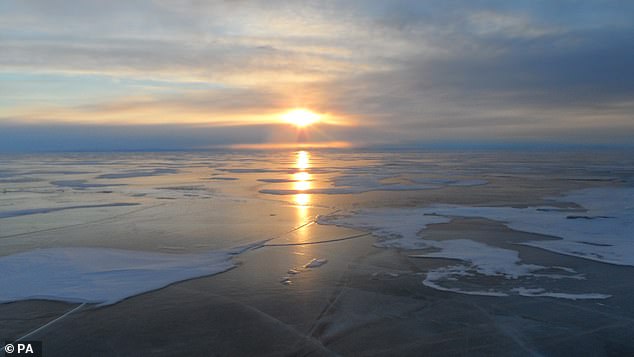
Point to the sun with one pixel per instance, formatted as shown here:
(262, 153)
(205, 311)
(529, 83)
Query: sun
(301, 117)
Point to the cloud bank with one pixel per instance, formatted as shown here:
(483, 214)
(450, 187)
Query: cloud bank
(387, 71)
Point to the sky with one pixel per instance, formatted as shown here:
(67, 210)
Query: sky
(171, 75)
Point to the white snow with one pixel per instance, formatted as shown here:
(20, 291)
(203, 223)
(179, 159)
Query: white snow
(100, 275)
(483, 259)
(395, 227)
(451, 273)
(316, 263)
(604, 232)
(531, 292)
(601, 231)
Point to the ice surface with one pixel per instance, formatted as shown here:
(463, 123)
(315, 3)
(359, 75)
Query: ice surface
(316, 263)
(473, 267)
(54, 172)
(492, 261)
(345, 190)
(255, 170)
(272, 180)
(540, 292)
(223, 178)
(20, 180)
(604, 235)
(25, 212)
(100, 275)
(368, 182)
(262, 170)
(313, 263)
(483, 259)
(138, 173)
(451, 182)
(395, 227)
(452, 273)
(82, 184)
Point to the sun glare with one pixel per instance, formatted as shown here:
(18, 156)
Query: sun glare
(300, 117)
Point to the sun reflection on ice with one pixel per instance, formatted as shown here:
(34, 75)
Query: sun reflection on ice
(302, 182)
(302, 179)
(302, 160)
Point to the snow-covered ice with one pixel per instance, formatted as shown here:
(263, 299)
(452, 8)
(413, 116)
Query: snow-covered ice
(316, 263)
(603, 233)
(100, 275)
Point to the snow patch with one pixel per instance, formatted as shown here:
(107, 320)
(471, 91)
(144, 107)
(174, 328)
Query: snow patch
(605, 235)
(316, 263)
(100, 275)
(532, 292)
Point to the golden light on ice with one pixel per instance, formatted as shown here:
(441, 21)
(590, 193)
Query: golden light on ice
(302, 161)
(302, 179)
(302, 199)
(300, 117)
(302, 183)
(302, 176)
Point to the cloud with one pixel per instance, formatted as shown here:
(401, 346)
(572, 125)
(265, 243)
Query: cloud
(400, 71)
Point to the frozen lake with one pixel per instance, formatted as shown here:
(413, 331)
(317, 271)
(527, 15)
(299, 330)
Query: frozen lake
(325, 252)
